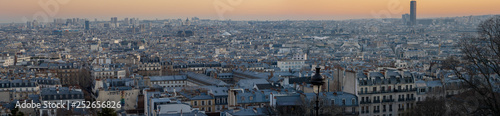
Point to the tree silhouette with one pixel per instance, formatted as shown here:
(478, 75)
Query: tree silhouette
(107, 112)
(479, 67)
(16, 112)
(430, 107)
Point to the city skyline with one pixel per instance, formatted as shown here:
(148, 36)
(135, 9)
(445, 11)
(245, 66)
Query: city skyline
(16, 11)
(249, 57)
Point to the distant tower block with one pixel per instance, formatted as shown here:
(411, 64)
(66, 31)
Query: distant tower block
(413, 12)
(187, 23)
(87, 25)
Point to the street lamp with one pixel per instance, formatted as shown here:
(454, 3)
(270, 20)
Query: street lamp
(317, 81)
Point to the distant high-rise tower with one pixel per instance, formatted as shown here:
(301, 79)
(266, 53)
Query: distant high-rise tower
(114, 21)
(87, 25)
(187, 23)
(413, 12)
(28, 25)
(406, 19)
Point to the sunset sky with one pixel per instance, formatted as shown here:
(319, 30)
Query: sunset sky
(15, 10)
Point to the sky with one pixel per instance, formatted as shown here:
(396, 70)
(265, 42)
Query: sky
(24, 10)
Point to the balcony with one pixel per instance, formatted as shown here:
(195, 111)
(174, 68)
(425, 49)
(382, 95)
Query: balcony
(410, 99)
(365, 102)
(350, 114)
(376, 101)
(401, 109)
(376, 111)
(371, 92)
(401, 99)
(388, 100)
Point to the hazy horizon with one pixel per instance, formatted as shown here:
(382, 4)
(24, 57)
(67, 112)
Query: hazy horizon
(20, 11)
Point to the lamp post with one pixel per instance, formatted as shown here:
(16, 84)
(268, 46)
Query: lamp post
(317, 81)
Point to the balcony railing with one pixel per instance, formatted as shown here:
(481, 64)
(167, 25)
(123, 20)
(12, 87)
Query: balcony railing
(389, 91)
(361, 102)
(410, 99)
(376, 101)
(388, 100)
(376, 111)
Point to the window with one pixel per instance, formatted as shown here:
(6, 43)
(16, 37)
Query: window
(250, 98)
(202, 103)
(353, 101)
(333, 102)
(209, 102)
(195, 103)
(383, 108)
(390, 107)
(343, 102)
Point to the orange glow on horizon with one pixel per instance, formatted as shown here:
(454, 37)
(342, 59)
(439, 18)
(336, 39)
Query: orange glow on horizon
(279, 9)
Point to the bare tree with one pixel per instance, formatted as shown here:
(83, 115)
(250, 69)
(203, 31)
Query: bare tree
(479, 67)
(307, 107)
(430, 107)
(84, 79)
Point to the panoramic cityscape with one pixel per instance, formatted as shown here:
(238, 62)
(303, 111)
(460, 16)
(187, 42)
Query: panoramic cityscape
(249, 58)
